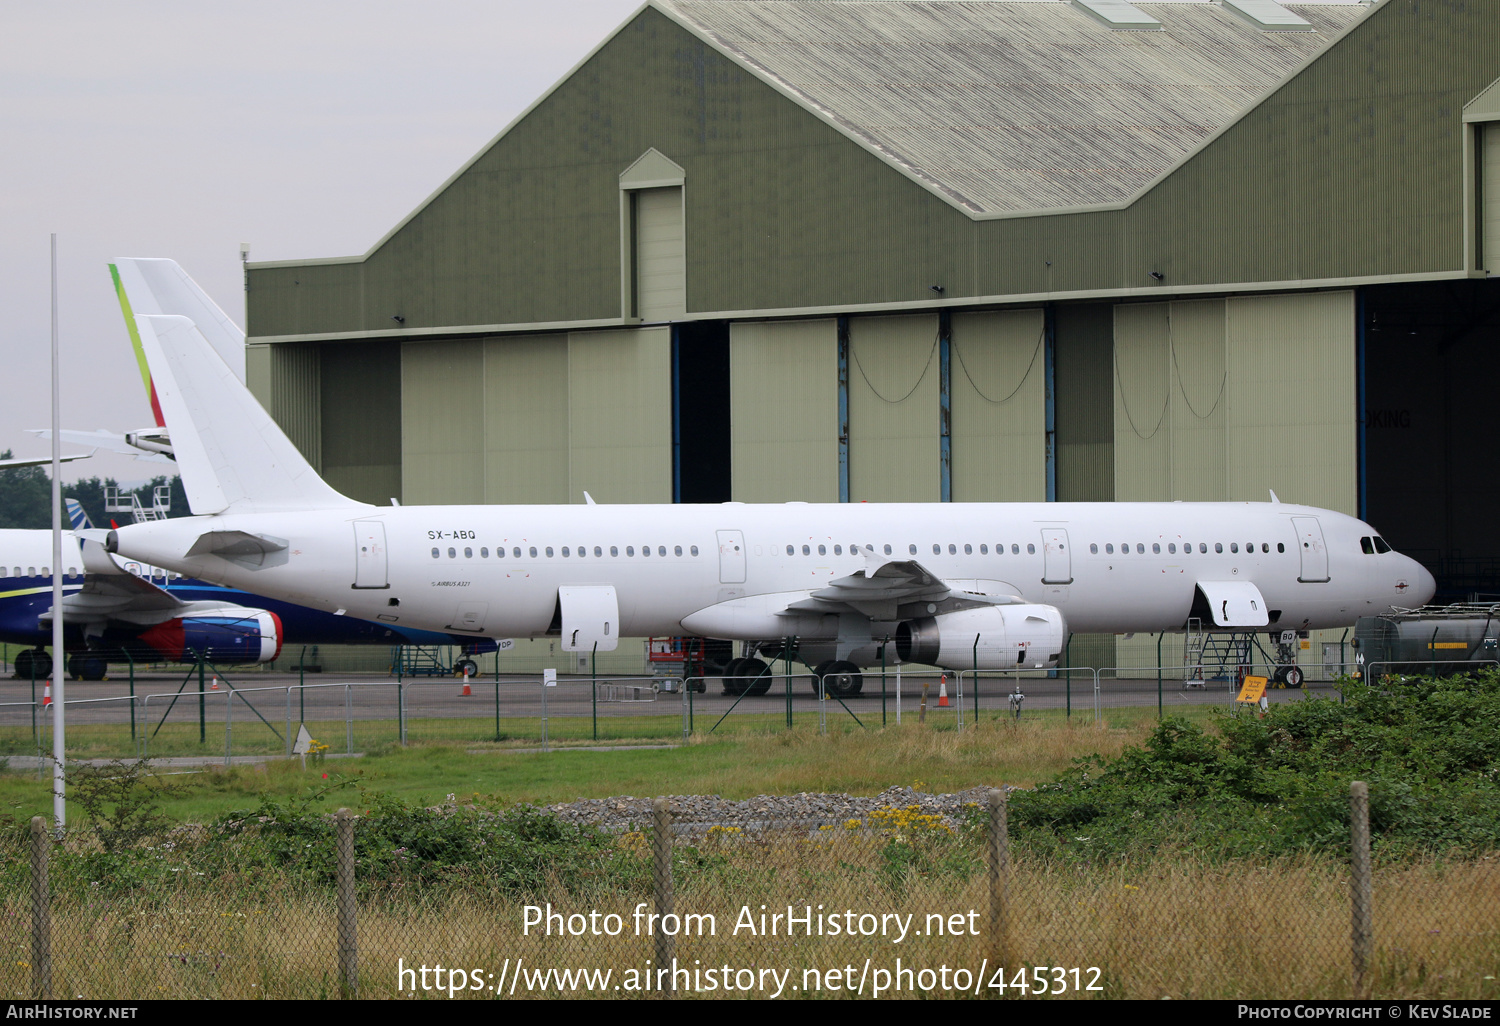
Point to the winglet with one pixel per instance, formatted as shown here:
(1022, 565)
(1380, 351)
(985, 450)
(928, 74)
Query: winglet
(589, 499)
(1273, 495)
(76, 516)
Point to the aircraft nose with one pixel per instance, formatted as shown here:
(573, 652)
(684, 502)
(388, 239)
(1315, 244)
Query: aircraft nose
(1423, 585)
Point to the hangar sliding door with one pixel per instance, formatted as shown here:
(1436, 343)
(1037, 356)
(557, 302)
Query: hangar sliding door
(894, 409)
(1171, 391)
(442, 418)
(1291, 400)
(784, 412)
(526, 419)
(998, 367)
(620, 415)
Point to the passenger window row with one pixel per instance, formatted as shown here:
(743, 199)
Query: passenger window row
(568, 552)
(937, 549)
(838, 550)
(1187, 548)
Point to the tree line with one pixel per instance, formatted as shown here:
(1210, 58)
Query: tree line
(26, 497)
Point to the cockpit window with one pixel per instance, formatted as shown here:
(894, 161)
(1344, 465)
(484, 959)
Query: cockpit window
(1367, 546)
(1380, 544)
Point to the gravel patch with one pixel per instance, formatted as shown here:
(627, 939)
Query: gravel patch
(694, 814)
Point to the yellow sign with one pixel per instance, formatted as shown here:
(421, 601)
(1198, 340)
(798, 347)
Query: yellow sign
(1253, 690)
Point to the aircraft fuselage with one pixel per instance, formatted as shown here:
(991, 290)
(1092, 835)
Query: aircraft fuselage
(496, 571)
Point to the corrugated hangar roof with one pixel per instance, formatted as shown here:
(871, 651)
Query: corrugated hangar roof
(1017, 106)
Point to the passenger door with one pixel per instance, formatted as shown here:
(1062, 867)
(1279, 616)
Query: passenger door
(731, 557)
(1313, 550)
(1057, 561)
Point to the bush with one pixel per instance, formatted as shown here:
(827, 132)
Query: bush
(1279, 784)
(405, 849)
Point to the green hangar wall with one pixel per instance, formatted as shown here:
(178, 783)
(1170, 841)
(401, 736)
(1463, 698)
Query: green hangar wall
(907, 251)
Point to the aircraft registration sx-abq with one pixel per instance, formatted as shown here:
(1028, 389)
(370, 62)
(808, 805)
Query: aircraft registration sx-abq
(951, 584)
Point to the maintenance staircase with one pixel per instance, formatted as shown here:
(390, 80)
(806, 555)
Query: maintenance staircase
(117, 500)
(422, 660)
(1214, 655)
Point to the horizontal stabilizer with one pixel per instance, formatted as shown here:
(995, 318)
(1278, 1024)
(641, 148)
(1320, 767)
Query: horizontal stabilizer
(252, 551)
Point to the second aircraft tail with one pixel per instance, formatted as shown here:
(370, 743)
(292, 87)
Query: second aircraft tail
(232, 456)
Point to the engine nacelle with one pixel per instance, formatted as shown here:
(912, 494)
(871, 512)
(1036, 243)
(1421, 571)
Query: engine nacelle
(232, 634)
(1010, 637)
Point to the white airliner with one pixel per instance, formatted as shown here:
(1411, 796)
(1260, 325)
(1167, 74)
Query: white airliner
(112, 608)
(951, 584)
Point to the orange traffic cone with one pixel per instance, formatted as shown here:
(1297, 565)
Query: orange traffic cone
(943, 692)
(215, 684)
(467, 691)
(47, 694)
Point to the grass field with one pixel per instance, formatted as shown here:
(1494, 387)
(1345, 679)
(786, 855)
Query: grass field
(1175, 927)
(735, 764)
(247, 909)
(249, 736)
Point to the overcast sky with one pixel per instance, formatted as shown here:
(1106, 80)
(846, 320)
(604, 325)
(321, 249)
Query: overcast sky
(181, 130)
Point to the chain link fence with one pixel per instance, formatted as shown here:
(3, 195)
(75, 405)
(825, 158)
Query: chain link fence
(232, 718)
(994, 897)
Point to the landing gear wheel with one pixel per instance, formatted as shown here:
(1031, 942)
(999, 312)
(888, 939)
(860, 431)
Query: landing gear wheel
(87, 666)
(734, 684)
(819, 672)
(33, 664)
(468, 666)
(757, 676)
(842, 679)
(1292, 676)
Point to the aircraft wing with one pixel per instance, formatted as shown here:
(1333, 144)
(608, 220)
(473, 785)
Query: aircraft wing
(43, 461)
(888, 589)
(110, 592)
(109, 441)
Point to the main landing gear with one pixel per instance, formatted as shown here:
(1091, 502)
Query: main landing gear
(747, 677)
(841, 679)
(33, 664)
(87, 666)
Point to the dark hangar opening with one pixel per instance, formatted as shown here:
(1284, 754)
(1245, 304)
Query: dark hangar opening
(1431, 484)
(700, 404)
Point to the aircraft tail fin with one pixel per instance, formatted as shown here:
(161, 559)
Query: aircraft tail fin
(76, 515)
(145, 286)
(231, 454)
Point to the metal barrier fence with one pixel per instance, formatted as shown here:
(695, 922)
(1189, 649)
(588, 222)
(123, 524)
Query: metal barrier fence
(357, 716)
(938, 897)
